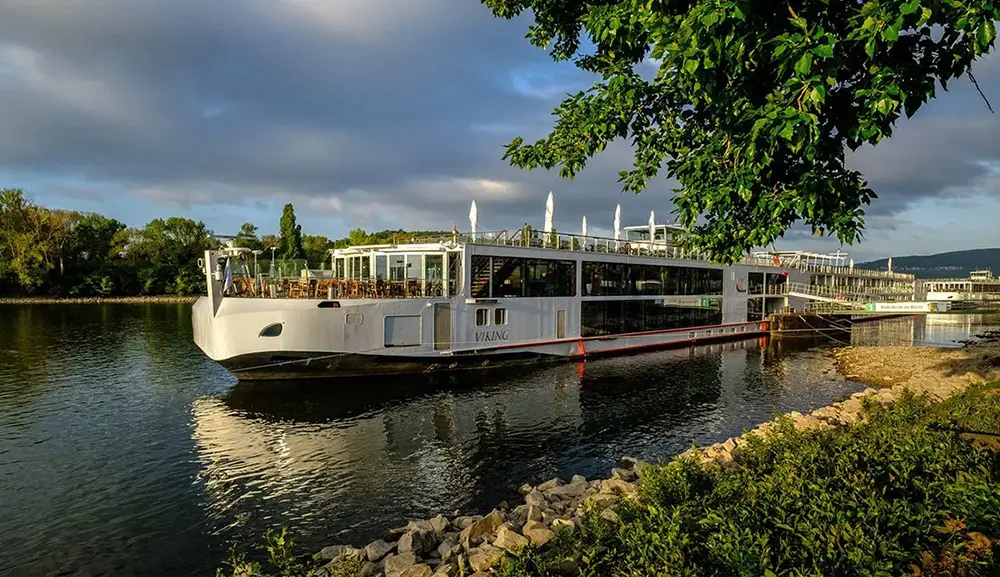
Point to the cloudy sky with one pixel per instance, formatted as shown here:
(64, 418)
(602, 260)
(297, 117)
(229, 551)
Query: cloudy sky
(379, 114)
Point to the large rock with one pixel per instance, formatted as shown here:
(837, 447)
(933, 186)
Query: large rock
(421, 525)
(602, 501)
(618, 487)
(484, 557)
(519, 515)
(332, 552)
(464, 521)
(628, 463)
(446, 571)
(419, 542)
(509, 540)
(448, 550)
(536, 498)
(568, 524)
(396, 564)
(378, 549)
(537, 533)
(524, 489)
(549, 485)
(418, 570)
(627, 475)
(439, 523)
(575, 489)
(534, 513)
(475, 532)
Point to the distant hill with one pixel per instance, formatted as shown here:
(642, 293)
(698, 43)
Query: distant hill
(955, 264)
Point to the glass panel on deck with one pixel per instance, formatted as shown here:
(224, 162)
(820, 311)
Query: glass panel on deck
(397, 267)
(381, 266)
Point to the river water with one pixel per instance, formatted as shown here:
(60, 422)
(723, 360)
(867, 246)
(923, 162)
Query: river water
(124, 451)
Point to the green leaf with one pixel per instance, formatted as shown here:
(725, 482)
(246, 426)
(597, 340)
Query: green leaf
(823, 51)
(818, 94)
(910, 7)
(691, 65)
(925, 16)
(891, 32)
(986, 33)
(804, 66)
(787, 131)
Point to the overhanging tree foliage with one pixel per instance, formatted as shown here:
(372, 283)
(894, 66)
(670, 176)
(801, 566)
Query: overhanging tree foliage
(754, 102)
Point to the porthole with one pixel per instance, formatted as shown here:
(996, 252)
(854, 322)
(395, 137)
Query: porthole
(482, 317)
(353, 318)
(271, 330)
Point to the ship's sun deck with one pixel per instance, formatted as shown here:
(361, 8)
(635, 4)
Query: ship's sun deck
(432, 267)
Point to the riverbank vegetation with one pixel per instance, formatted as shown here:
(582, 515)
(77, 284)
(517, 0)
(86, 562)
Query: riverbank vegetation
(46, 252)
(902, 493)
(908, 490)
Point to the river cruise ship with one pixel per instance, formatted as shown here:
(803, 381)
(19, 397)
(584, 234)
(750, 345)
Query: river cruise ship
(981, 287)
(477, 300)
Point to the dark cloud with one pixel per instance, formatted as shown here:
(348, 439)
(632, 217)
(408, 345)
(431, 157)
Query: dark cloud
(377, 112)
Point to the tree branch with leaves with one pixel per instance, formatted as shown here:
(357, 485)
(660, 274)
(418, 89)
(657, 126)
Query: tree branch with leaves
(754, 103)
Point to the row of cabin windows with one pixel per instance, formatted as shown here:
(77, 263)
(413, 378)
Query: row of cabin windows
(483, 317)
(622, 279)
(632, 316)
(396, 267)
(504, 277)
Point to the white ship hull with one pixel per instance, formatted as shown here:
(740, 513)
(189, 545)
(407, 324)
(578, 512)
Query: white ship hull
(458, 305)
(311, 346)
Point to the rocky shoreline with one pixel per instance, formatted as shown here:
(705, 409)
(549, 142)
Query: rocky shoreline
(472, 544)
(98, 300)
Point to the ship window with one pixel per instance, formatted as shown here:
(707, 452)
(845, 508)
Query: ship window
(499, 316)
(402, 331)
(482, 317)
(601, 278)
(271, 330)
(615, 316)
(353, 319)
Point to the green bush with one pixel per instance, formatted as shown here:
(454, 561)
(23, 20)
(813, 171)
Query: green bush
(894, 495)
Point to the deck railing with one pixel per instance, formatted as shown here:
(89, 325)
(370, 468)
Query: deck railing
(331, 288)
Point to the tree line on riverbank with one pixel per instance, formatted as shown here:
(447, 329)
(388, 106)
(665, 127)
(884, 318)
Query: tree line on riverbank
(62, 253)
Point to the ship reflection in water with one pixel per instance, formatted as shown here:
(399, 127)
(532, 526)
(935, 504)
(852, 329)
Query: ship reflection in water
(934, 330)
(343, 461)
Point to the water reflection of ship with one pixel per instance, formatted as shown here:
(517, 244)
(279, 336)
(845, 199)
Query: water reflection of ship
(326, 445)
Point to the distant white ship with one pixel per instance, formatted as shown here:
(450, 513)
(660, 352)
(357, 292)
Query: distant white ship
(487, 299)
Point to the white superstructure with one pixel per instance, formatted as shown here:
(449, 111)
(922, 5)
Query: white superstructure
(981, 286)
(487, 299)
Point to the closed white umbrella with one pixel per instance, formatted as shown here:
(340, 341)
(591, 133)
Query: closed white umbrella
(474, 219)
(550, 209)
(851, 264)
(618, 224)
(890, 264)
(652, 229)
(583, 227)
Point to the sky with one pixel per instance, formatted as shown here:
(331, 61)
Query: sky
(383, 114)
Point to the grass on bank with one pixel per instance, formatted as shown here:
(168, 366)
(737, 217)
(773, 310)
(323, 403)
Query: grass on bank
(900, 494)
(896, 495)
